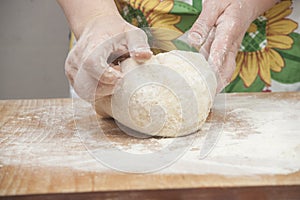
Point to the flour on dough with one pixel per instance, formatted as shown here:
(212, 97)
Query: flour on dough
(169, 95)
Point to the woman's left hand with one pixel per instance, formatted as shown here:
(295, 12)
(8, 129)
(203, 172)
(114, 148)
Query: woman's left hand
(220, 29)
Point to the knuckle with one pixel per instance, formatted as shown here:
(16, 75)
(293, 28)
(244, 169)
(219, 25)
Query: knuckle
(207, 3)
(69, 63)
(237, 22)
(88, 63)
(201, 24)
(68, 70)
(70, 77)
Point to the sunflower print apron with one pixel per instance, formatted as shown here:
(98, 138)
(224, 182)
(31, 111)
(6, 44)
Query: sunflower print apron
(268, 58)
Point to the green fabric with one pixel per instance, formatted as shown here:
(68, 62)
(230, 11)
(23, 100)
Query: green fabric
(183, 8)
(135, 14)
(238, 86)
(291, 72)
(197, 4)
(180, 45)
(186, 22)
(254, 40)
(188, 13)
(258, 40)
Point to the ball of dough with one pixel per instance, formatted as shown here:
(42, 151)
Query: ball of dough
(169, 95)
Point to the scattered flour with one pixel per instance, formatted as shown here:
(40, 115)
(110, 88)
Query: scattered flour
(259, 136)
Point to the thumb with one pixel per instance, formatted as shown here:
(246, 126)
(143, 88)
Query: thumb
(137, 43)
(205, 22)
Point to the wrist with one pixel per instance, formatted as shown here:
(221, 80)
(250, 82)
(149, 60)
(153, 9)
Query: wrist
(80, 25)
(79, 14)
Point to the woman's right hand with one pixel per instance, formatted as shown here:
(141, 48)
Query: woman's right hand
(102, 34)
(87, 66)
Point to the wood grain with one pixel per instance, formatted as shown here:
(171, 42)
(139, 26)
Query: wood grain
(243, 193)
(41, 154)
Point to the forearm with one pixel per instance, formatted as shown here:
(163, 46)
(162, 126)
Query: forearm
(80, 12)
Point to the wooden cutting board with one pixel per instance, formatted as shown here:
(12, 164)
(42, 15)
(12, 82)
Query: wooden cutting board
(255, 152)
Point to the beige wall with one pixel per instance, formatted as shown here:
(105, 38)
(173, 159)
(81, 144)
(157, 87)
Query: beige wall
(33, 47)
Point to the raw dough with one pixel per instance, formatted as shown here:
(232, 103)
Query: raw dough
(170, 95)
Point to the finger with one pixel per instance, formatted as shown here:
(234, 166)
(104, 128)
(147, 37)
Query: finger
(110, 76)
(117, 67)
(205, 48)
(106, 86)
(95, 62)
(90, 88)
(71, 64)
(226, 74)
(71, 70)
(117, 56)
(104, 90)
(226, 71)
(207, 19)
(100, 103)
(142, 56)
(71, 73)
(85, 85)
(226, 36)
(138, 45)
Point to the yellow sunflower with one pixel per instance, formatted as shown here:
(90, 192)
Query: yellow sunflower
(257, 54)
(156, 15)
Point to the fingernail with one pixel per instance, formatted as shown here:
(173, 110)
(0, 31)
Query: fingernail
(142, 50)
(141, 55)
(195, 38)
(109, 70)
(112, 72)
